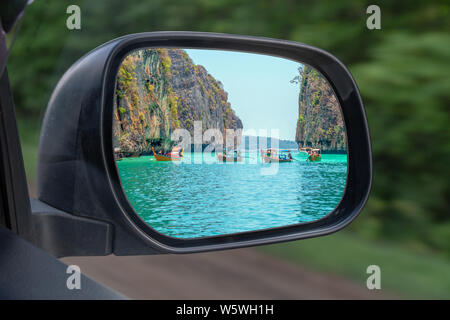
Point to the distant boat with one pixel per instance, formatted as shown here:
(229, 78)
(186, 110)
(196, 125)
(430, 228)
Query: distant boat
(171, 156)
(118, 154)
(235, 157)
(314, 156)
(306, 150)
(272, 155)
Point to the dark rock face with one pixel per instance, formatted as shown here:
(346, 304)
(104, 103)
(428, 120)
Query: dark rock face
(320, 123)
(200, 96)
(160, 90)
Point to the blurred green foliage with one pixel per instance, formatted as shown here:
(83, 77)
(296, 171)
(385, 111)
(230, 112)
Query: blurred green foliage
(404, 273)
(402, 70)
(405, 85)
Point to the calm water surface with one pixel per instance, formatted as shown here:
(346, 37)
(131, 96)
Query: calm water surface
(193, 199)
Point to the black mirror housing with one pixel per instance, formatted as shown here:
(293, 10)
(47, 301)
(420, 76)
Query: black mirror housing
(77, 173)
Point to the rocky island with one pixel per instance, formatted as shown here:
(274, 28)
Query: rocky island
(160, 90)
(320, 123)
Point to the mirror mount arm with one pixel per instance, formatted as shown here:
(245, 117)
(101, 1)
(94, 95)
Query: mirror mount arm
(62, 234)
(59, 233)
(14, 207)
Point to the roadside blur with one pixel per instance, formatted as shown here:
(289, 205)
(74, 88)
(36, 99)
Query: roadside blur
(402, 71)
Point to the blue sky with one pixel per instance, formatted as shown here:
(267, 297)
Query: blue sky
(258, 87)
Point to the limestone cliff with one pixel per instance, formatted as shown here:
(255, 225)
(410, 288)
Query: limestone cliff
(320, 123)
(159, 90)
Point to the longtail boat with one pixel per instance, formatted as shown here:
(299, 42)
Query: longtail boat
(272, 155)
(314, 156)
(171, 156)
(229, 158)
(306, 150)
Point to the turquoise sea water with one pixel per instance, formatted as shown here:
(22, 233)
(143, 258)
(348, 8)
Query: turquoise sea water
(201, 197)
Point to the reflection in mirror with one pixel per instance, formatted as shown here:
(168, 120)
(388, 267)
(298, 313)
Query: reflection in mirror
(212, 142)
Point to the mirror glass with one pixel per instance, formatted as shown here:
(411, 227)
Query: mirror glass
(211, 142)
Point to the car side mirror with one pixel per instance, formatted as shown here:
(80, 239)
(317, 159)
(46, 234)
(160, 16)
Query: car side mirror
(178, 142)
